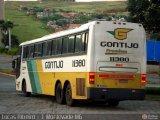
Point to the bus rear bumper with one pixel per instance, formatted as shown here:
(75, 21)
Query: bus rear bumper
(115, 94)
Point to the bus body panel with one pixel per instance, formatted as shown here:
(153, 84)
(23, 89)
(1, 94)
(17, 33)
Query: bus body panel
(119, 61)
(115, 54)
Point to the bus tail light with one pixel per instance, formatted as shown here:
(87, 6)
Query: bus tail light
(143, 79)
(91, 77)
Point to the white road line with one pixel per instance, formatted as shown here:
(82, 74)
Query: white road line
(7, 74)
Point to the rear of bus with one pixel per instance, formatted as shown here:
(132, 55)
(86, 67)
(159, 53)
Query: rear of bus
(118, 62)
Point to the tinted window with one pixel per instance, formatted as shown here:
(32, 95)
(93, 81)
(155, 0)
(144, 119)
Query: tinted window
(59, 46)
(24, 52)
(47, 48)
(81, 42)
(86, 41)
(71, 44)
(54, 47)
(30, 51)
(65, 45)
(38, 50)
(78, 43)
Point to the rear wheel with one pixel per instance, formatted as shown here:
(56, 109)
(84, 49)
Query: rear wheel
(59, 94)
(113, 103)
(24, 89)
(68, 95)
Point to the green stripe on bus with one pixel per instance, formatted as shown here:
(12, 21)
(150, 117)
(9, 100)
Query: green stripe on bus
(34, 78)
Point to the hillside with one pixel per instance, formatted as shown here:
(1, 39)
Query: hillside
(27, 27)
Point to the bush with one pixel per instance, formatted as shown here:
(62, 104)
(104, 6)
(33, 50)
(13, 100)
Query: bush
(13, 51)
(2, 50)
(153, 91)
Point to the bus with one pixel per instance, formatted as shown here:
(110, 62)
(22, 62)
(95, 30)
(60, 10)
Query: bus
(102, 61)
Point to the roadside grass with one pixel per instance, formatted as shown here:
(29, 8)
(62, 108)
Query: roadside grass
(153, 94)
(153, 97)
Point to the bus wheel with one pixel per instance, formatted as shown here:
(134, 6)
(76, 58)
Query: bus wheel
(24, 89)
(113, 103)
(68, 95)
(59, 94)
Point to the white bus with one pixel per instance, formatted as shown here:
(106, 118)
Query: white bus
(99, 61)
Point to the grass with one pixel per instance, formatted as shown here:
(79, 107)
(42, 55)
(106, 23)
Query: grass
(74, 6)
(28, 28)
(153, 97)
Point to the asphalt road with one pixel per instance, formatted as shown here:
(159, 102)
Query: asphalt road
(12, 102)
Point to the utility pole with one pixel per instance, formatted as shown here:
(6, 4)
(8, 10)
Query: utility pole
(9, 32)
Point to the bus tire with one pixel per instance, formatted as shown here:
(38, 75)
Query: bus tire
(113, 103)
(24, 89)
(68, 95)
(59, 94)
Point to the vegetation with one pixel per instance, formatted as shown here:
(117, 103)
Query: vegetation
(153, 97)
(53, 17)
(153, 91)
(146, 12)
(26, 27)
(72, 6)
(13, 51)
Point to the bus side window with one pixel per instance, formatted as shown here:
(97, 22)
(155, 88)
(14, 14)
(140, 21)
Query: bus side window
(54, 47)
(59, 46)
(83, 42)
(47, 48)
(38, 50)
(44, 49)
(78, 43)
(65, 45)
(30, 51)
(24, 52)
(86, 41)
(71, 44)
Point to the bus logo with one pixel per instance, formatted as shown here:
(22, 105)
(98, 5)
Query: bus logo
(120, 33)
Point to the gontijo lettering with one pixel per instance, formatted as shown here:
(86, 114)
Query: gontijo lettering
(119, 44)
(53, 64)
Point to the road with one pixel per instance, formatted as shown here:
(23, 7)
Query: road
(12, 101)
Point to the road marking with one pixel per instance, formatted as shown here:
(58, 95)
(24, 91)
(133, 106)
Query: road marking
(7, 74)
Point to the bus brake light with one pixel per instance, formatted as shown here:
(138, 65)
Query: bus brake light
(143, 79)
(91, 77)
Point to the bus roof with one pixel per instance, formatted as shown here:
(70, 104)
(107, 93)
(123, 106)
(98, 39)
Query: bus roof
(70, 31)
(59, 34)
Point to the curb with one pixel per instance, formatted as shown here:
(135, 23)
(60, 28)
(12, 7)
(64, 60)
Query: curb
(7, 74)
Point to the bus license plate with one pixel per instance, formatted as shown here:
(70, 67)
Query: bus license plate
(123, 81)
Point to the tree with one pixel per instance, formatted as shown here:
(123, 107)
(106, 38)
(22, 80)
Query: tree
(146, 12)
(6, 31)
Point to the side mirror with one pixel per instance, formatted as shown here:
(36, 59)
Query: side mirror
(14, 64)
